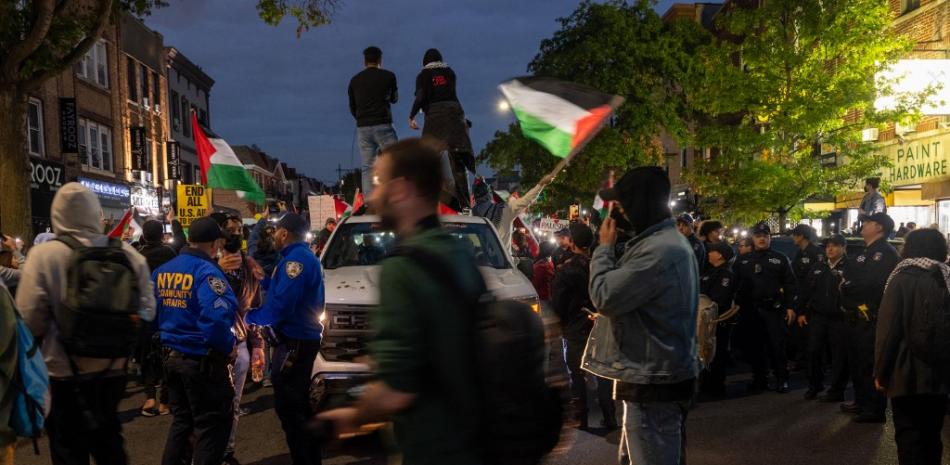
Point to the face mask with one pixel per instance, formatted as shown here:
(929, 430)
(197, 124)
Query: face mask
(233, 243)
(623, 223)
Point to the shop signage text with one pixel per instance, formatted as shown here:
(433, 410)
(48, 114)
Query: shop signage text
(45, 175)
(107, 189)
(137, 136)
(917, 161)
(193, 203)
(174, 160)
(552, 225)
(68, 126)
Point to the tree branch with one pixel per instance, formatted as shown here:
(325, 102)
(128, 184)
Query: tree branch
(21, 50)
(101, 20)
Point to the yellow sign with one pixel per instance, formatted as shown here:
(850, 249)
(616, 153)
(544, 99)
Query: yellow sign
(917, 161)
(193, 203)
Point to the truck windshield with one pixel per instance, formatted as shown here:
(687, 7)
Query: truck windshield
(365, 244)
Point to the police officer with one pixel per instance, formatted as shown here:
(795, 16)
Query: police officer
(820, 311)
(767, 296)
(295, 300)
(864, 279)
(196, 312)
(719, 284)
(684, 224)
(806, 258)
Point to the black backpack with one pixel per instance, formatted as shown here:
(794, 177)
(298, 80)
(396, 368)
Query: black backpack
(928, 327)
(521, 416)
(98, 317)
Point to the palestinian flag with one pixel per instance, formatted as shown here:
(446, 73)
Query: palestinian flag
(357, 204)
(342, 208)
(561, 116)
(119, 230)
(221, 168)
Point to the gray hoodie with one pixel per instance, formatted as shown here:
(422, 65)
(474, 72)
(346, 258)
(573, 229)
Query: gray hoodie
(75, 212)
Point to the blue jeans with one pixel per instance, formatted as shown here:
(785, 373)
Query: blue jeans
(372, 140)
(654, 433)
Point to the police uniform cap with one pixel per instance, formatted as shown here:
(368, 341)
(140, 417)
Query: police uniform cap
(882, 219)
(685, 218)
(761, 228)
(724, 249)
(204, 229)
(564, 232)
(836, 239)
(294, 224)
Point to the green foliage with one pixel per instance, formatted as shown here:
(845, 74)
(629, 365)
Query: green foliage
(805, 82)
(308, 13)
(620, 48)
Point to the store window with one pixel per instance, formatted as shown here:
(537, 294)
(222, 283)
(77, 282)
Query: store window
(145, 87)
(176, 112)
(186, 117)
(34, 120)
(909, 5)
(94, 67)
(156, 95)
(943, 216)
(95, 145)
(133, 87)
(920, 215)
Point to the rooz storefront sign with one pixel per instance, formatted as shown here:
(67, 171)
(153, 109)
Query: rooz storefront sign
(46, 177)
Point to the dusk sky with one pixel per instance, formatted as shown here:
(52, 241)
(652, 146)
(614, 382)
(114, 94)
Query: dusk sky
(288, 95)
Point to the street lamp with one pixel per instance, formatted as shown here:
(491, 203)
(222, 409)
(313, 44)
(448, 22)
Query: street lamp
(503, 106)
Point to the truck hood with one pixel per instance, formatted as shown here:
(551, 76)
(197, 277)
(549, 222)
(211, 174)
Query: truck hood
(359, 285)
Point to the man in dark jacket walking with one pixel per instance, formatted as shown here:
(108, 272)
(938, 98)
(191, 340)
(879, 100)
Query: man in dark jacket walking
(571, 300)
(149, 355)
(864, 279)
(821, 313)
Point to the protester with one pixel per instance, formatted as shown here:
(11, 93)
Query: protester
(543, 273)
(265, 252)
(149, 355)
(571, 300)
(325, 233)
(864, 279)
(648, 298)
(821, 313)
(719, 284)
(564, 247)
(85, 391)
(295, 300)
(8, 369)
(710, 231)
(917, 389)
(445, 122)
(767, 297)
(421, 326)
(744, 246)
(872, 202)
(684, 224)
(371, 93)
(502, 214)
(197, 310)
(9, 266)
(244, 276)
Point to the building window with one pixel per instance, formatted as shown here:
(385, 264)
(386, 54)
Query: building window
(203, 117)
(156, 95)
(186, 126)
(144, 77)
(133, 88)
(909, 5)
(683, 160)
(95, 145)
(148, 154)
(176, 112)
(34, 122)
(94, 67)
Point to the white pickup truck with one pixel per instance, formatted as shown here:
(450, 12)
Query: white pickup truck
(351, 275)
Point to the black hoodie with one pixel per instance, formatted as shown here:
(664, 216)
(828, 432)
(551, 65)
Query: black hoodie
(645, 196)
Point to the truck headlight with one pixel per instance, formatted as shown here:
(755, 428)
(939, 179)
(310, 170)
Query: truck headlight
(531, 301)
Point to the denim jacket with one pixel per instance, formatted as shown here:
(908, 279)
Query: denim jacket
(648, 301)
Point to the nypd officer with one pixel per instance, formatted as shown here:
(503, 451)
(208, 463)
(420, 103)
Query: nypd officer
(292, 311)
(808, 256)
(196, 312)
(767, 297)
(861, 292)
(684, 224)
(719, 284)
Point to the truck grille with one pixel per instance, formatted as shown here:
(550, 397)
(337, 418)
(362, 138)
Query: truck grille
(347, 331)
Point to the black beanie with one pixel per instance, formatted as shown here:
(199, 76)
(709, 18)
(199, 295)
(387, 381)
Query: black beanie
(152, 231)
(431, 55)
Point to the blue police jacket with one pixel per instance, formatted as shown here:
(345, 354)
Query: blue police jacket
(196, 306)
(295, 297)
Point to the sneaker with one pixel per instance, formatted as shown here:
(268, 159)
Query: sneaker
(831, 397)
(812, 394)
(149, 409)
(782, 387)
(163, 409)
(869, 418)
(851, 408)
(267, 383)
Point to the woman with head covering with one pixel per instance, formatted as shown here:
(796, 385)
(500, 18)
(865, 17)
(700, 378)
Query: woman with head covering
(444, 122)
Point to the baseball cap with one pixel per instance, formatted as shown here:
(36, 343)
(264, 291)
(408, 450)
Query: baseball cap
(565, 232)
(204, 229)
(685, 218)
(836, 239)
(724, 249)
(581, 235)
(294, 224)
(761, 228)
(882, 219)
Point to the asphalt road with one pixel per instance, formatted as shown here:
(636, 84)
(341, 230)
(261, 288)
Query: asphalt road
(767, 429)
